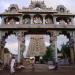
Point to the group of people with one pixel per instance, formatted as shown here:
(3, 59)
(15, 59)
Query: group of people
(13, 65)
(53, 66)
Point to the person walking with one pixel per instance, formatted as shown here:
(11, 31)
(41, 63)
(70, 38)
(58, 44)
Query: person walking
(33, 62)
(12, 65)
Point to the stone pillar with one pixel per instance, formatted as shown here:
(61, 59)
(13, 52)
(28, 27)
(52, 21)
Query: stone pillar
(72, 20)
(21, 45)
(2, 53)
(74, 45)
(19, 49)
(3, 22)
(54, 20)
(71, 44)
(2, 43)
(32, 18)
(72, 55)
(21, 19)
(53, 41)
(43, 18)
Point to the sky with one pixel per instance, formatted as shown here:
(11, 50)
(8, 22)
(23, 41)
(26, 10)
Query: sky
(4, 4)
(70, 4)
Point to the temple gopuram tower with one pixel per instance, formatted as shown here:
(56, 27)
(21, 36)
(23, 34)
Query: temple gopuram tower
(36, 46)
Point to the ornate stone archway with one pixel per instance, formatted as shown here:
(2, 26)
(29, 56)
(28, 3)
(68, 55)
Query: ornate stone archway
(21, 29)
(21, 42)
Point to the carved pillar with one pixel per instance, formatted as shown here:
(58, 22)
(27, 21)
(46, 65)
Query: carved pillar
(72, 20)
(21, 45)
(72, 55)
(54, 20)
(71, 45)
(32, 16)
(2, 44)
(43, 18)
(3, 22)
(74, 45)
(21, 19)
(2, 53)
(53, 41)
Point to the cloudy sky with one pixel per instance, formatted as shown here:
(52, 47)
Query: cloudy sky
(70, 4)
(4, 4)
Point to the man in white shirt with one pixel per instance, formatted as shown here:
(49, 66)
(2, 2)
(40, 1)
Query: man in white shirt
(12, 64)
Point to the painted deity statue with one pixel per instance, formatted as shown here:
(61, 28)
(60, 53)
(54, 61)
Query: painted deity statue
(37, 20)
(26, 21)
(12, 21)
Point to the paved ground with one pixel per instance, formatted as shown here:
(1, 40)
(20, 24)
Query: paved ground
(43, 70)
(41, 73)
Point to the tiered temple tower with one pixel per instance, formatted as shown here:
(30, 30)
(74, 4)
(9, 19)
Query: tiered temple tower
(36, 46)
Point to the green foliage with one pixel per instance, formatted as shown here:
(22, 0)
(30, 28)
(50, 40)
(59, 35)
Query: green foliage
(6, 50)
(66, 53)
(65, 50)
(48, 55)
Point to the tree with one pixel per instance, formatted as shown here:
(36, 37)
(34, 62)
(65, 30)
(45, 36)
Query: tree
(48, 55)
(66, 52)
(6, 50)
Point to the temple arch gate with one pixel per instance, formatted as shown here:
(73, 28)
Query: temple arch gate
(36, 19)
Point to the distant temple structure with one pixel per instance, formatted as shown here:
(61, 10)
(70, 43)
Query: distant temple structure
(37, 19)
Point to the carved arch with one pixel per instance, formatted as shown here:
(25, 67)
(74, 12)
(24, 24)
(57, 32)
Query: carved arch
(11, 20)
(61, 8)
(13, 8)
(26, 19)
(48, 19)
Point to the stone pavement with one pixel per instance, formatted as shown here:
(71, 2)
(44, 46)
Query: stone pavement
(43, 70)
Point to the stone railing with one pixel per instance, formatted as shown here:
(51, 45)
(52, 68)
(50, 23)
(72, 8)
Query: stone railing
(37, 10)
(36, 26)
